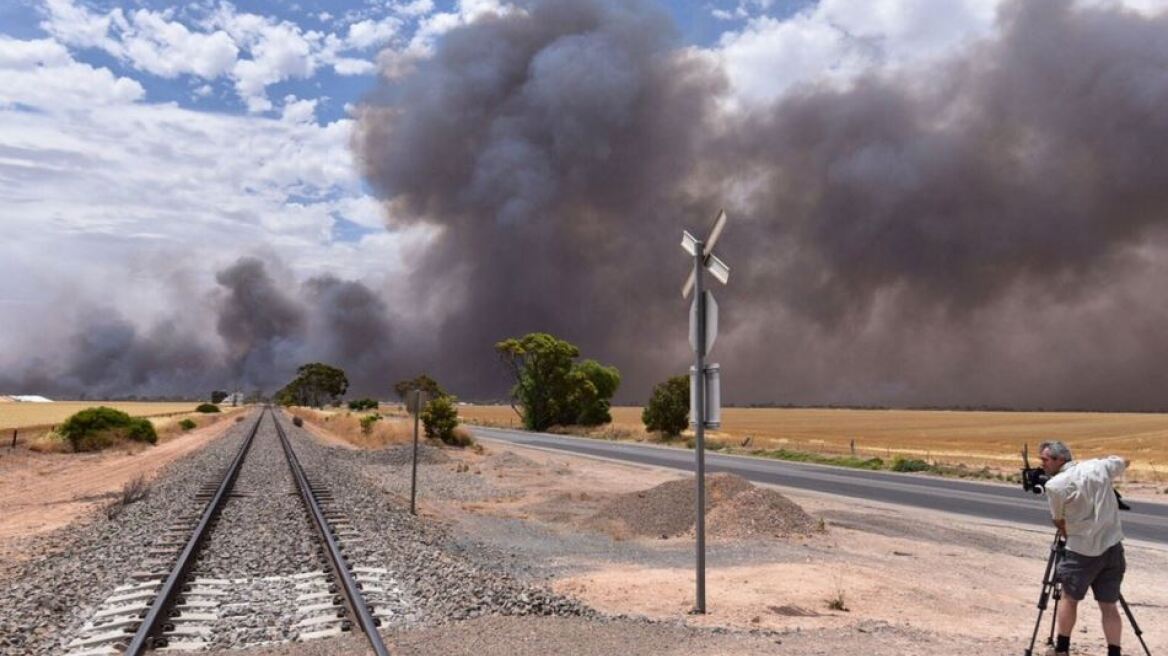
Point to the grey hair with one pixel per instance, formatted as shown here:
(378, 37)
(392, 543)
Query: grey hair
(1057, 449)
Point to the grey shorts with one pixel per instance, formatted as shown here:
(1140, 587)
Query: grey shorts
(1102, 573)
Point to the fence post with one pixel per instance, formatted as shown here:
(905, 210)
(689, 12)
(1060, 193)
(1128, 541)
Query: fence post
(14, 430)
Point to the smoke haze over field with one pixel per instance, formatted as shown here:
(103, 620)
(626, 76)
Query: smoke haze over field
(986, 227)
(975, 232)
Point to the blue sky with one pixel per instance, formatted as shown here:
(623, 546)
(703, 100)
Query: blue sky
(396, 24)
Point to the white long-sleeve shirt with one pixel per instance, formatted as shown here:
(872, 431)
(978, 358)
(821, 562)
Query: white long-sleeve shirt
(1082, 494)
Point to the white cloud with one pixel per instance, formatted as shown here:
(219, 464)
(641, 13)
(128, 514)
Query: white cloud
(41, 74)
(253, 51)
(370, 33)
(168, 48)
(350, 66)
(414, 9)
(299, 111)
(119, 193)
(835, 40)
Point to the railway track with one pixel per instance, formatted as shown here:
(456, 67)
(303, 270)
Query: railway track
(195, 595)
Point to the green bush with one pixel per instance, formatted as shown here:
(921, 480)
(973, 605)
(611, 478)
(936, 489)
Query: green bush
(363, 404)
(901, 464)
(187, 424)
(367, 423)
(94, 429)
(207, 408)
(440, 417)
(668, 409)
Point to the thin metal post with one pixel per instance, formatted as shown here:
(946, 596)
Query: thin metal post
(14, 431)
(700, 428)
(414, 462)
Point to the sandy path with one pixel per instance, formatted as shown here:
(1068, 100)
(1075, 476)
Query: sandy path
(43, 491)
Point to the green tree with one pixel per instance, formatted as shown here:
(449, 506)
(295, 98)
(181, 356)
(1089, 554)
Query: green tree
(315, 384)
(423, 382)
(218, 395)
(440, 418)
(551, 388)
(593, 385)
(668, 408)
(363, 404)
(403, 389)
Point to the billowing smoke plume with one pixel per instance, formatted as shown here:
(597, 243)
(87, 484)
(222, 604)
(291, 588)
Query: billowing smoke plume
(261, 330)
(985, 231)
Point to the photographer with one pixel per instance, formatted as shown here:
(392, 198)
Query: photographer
(1085, 510)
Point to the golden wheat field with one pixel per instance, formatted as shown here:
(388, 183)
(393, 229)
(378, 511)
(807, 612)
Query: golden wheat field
(976, 438)
(22, 415)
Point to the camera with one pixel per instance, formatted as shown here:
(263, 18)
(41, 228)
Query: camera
(1034, 479)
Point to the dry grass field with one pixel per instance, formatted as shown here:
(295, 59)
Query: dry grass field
(991, 439)
(25, 415)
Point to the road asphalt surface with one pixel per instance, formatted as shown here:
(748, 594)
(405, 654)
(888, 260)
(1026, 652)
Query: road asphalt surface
(1147, 521)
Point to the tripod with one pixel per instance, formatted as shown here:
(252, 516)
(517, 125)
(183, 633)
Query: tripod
(1052, 588)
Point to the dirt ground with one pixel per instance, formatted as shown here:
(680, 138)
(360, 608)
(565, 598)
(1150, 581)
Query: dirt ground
(43, 491)
(939, 577)
(882, 563)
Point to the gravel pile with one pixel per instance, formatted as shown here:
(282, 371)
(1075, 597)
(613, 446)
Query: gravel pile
(667, 510)
(758, 512)
(46, 599)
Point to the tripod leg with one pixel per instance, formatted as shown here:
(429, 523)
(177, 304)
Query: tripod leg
(1058, 595)
(1135, 626)
(1048, 586)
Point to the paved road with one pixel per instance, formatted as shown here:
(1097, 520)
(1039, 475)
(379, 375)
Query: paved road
(1146, 521)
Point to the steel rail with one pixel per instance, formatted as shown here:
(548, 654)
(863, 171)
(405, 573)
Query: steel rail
(174, 582)
(352, 593)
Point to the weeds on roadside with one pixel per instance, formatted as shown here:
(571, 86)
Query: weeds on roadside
(837, 602)
(133, 491)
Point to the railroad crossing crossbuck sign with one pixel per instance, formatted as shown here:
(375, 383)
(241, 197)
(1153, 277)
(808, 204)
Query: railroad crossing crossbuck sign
(704, 381)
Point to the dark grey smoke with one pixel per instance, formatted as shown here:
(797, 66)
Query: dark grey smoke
(551, 147)
(354, 330)
(263, 327)
(987, 231)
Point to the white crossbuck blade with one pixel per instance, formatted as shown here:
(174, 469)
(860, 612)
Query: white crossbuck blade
(716, 267)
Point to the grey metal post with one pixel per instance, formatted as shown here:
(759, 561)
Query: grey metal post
(414, 466)
(14, 431)
(700, 427)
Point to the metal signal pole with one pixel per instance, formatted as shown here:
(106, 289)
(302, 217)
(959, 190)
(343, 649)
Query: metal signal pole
(705, 392)
(418, 396)
(699, 382)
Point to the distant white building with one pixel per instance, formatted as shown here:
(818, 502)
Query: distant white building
(29, 398)
(233, 400)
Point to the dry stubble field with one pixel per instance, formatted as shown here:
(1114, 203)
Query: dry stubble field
(993, 439)
(23, 415)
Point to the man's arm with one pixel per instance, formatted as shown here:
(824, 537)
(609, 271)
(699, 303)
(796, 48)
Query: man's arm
(1116, 465)
(1057, 503)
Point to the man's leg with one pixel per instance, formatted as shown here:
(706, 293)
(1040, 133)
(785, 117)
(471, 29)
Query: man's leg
(1067, 613)
(1112, 624)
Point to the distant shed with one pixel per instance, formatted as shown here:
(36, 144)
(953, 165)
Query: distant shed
(30, 398)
